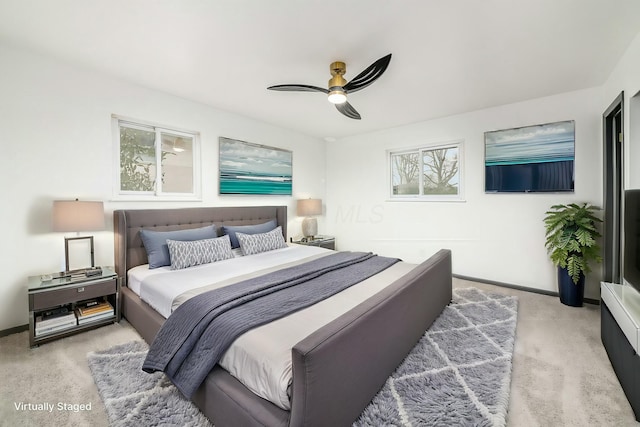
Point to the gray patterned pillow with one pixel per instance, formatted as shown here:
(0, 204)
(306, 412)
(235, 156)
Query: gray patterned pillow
(262, 242)
(188, 254)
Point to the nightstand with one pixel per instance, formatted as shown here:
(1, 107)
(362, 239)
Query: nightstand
(54, 304)
(327, 242)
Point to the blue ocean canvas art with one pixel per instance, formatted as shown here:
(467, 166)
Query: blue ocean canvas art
(536, 158)
(247, 168)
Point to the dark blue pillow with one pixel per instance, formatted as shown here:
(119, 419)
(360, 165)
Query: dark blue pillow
(247, 229)
(155, 242)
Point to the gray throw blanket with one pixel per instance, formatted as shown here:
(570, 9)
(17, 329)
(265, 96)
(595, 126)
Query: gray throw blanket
(198, 332)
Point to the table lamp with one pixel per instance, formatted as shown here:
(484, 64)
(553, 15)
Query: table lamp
(74, 215)
(308, 208)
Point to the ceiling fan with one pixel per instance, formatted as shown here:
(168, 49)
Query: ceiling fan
(338, 86)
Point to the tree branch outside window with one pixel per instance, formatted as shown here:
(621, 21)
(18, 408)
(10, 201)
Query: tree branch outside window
(429, 173)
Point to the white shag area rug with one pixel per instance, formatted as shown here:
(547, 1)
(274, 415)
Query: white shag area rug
(459, 373)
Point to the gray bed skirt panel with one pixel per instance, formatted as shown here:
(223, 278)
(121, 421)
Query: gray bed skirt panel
(140, 315)
(344, 364)
(225, 400)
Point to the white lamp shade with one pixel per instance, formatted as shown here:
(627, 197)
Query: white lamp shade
(308, 207)
(74, 215)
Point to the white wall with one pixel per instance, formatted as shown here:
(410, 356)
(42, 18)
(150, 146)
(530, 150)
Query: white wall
(56, 143)
(497, 237)
(626, 77)
(55, 128)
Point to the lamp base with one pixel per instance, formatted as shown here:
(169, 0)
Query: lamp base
(309, 227)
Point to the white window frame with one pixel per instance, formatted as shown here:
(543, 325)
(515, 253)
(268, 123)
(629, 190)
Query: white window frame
(157, 194)
(459, 144)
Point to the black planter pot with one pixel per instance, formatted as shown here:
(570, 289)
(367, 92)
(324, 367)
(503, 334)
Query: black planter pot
(571, 294)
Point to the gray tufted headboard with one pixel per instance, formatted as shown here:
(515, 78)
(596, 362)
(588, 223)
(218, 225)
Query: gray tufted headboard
(128, 247)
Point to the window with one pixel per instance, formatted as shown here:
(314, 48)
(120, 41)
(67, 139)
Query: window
(155, 162)
(427, 173)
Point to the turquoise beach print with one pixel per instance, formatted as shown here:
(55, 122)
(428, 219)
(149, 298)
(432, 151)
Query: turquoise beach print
(552, 142)
(247, 168)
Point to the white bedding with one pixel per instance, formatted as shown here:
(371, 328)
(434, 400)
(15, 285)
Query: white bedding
(159, 287)
(260, 358)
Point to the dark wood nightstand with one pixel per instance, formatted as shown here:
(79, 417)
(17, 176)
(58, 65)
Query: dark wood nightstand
(327, 242)
(59, 297)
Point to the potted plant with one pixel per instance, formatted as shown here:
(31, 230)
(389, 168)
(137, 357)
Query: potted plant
(571, 234)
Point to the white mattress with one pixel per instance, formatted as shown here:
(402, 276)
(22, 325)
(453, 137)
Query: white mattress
(260, 358)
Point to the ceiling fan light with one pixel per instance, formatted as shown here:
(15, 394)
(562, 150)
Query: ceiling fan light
(337, 97)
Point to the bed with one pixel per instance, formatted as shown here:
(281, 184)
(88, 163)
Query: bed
(336, 369)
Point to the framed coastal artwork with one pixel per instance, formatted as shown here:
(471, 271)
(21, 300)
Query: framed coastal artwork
(530, 159)
(247, 168)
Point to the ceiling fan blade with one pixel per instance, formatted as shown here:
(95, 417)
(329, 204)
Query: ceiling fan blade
(298, 88)
(348, 110)
(369, 75)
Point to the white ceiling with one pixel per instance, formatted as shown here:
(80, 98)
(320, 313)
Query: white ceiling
(449, 56)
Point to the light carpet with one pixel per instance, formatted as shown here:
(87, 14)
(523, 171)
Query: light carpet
(458, 374)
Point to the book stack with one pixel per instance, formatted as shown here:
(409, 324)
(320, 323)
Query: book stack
(93, 310)
(54, 320)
